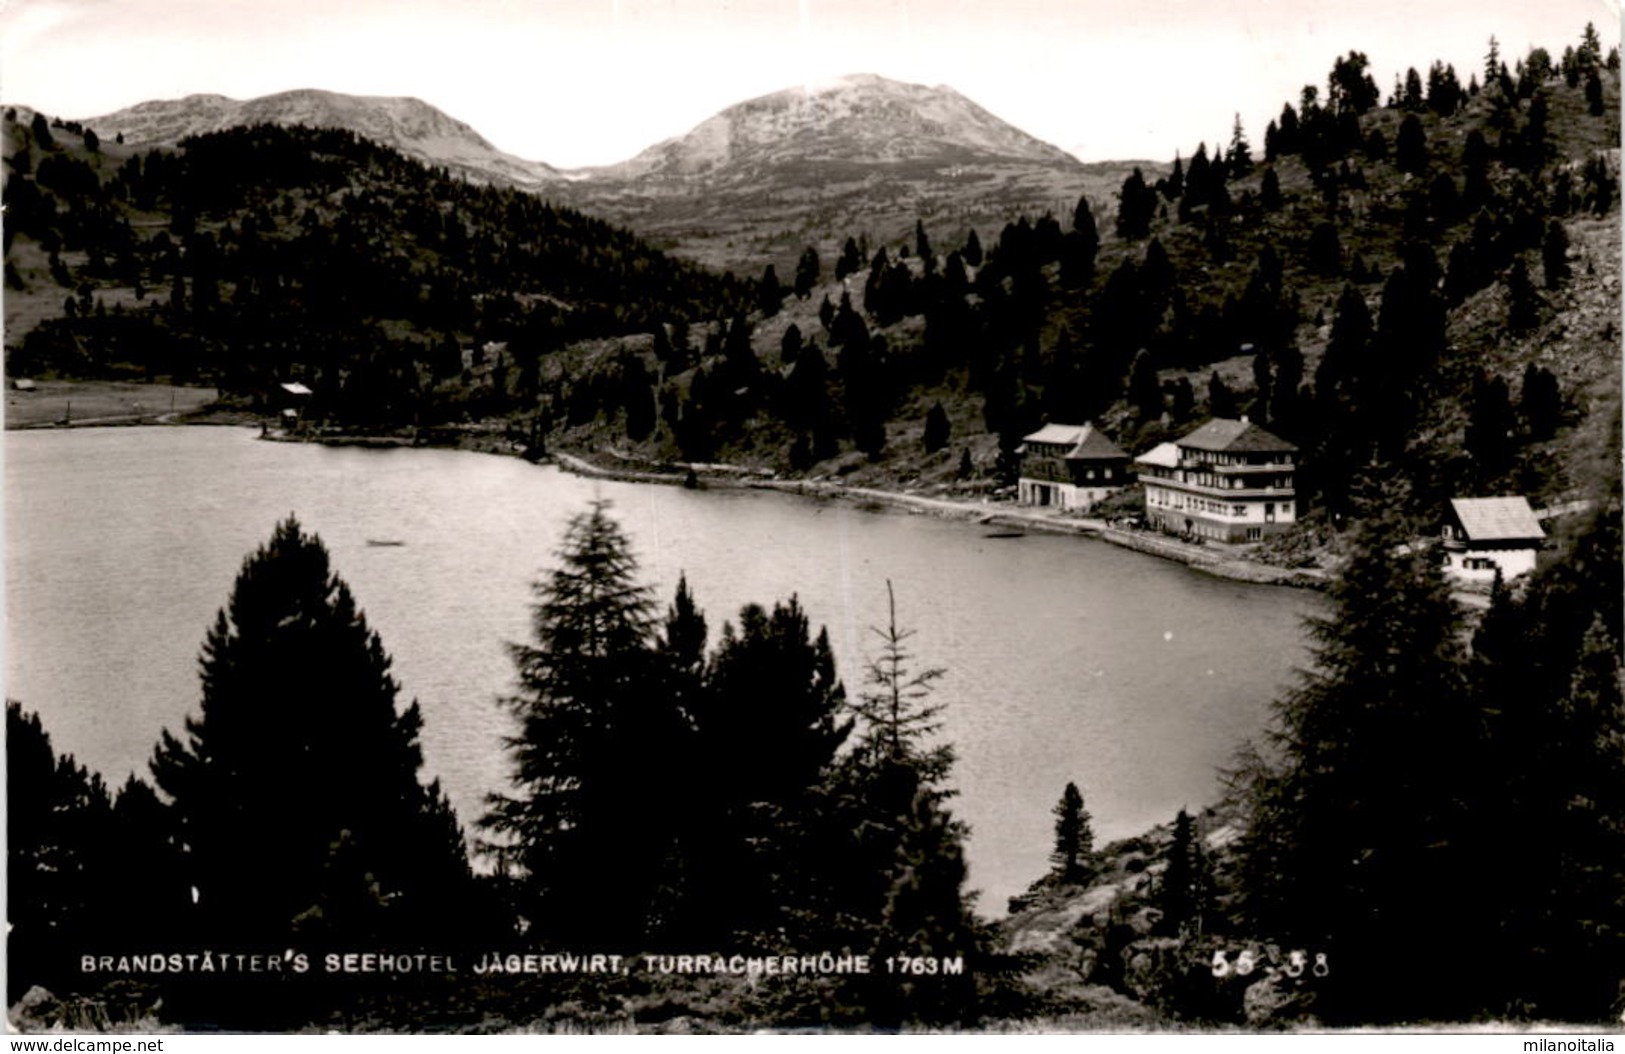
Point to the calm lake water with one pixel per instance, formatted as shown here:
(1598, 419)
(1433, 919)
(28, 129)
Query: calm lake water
(1068, 659)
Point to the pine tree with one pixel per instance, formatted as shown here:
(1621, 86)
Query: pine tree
(772, 719)
(1540, 402)
(1240, 156)
(1221, 401)
(769, 293)
(42, 132)
(1325, 251)
(807, 269)
(894, 715)
(1523, 303)
(973, 249)
(1269, 191)
(1134, 208)
(1410, 146)
(922, 248)
(908, 858)
(936, 428)
(1181, 892)
(1073, 855)
(1489, 437)
(587, 832)
(59, 819)
(850, 261)
(1144, 389)
(1080, 247)
(1547, 673)
(790, 344)
(774, 716)
(1359, 840)
(295, 789)
(1554, 255)
(152, 904)
(682, 647)
(1594, 97)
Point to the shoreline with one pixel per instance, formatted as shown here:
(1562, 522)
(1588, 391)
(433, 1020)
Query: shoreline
(1217, 560)
(1221, 561)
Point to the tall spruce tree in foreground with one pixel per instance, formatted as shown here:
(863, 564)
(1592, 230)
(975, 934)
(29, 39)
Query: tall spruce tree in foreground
(295, 790)
(772, 718)
(1363, 838)
(587, 834)
(909, 857)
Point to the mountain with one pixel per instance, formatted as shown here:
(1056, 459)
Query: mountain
(272, 252)
(754, 184)
(861, 119)
(408, 125)
(861, 155)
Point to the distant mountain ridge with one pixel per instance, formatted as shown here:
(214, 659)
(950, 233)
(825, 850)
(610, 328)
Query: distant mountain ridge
(409, 125)
(858, 155)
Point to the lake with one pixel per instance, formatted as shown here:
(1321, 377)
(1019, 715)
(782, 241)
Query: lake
(1067, 658)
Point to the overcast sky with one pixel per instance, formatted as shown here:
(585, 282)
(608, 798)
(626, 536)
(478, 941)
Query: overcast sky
(579, 82)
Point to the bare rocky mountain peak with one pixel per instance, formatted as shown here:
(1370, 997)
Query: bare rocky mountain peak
(859, 152)
(407, 124)
(860, 117)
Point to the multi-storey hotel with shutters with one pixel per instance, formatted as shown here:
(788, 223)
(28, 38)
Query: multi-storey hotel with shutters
(1229, 481)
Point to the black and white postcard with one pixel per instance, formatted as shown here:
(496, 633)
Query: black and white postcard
(692, 516)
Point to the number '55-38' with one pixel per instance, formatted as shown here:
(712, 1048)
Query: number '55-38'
(1247, 961)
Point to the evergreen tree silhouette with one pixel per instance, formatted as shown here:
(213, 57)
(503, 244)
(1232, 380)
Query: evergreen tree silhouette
(296, 789)
(588, 830)
(1073, 855)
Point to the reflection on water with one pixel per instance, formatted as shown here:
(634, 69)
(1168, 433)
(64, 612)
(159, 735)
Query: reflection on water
(1068, 659)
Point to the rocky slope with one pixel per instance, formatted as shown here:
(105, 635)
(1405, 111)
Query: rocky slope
(862, 155)
(860, 119)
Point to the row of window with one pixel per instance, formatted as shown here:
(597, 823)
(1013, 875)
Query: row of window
(1268, 457)
(1237, 482)
(1058, 472)
(1188, 503)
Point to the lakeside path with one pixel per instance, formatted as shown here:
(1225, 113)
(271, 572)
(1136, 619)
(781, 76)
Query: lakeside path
(1221, 560)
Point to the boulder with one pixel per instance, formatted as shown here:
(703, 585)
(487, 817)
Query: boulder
(36, 1011)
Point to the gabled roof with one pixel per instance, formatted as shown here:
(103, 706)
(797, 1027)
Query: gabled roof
(1094, 445)
(1087, 442)
(295, 388)
(1223, 434)
(1062, 434)
(1163, 455)
(1496, 519)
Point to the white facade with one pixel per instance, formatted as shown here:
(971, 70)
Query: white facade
(1065, 496)
(1484, 536)
(1220, 517)
(1227, 481)
(1480, 565)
